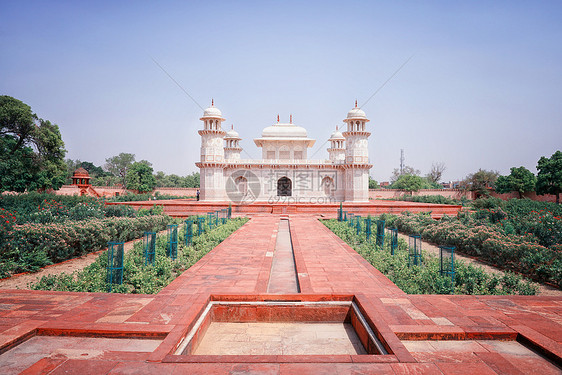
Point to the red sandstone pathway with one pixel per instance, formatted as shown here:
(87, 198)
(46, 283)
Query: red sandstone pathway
(327, 269)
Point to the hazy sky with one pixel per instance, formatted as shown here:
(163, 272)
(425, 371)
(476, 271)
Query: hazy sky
(483, 89)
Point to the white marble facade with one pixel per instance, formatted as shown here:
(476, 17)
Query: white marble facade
(284, 174)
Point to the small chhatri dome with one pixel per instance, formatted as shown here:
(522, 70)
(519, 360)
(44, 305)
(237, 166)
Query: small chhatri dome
(232, 134)
(212, 111)
(337, 135)
(356, 113)
(80, 173)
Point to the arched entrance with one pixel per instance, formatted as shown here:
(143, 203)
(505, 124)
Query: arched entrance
(284, 187)
(241, 185)
(328, 185)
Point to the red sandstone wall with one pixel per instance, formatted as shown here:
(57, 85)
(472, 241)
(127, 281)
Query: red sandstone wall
(394, 193)
(180, 192)
(531, 195)
(457, 194)
(110, 191)
(68, 190)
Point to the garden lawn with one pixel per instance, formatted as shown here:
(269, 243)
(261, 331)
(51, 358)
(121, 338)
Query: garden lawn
(139, 277)
(425, 278)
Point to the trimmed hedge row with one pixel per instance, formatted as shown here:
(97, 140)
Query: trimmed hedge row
(512, 252)
(28, 247)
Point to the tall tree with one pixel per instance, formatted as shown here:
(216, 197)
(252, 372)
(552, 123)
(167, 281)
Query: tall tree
(93, 170)
(409, 183)
(520, 180)
(481, 181)
(119, 164)
(373, 184)
(407, 170)
(139, 177)
(436, 172)
(31, 149)
(549, 178)
(192, 180)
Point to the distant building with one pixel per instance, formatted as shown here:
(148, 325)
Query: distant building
(81, 186)
(451, 185)
(284, 173)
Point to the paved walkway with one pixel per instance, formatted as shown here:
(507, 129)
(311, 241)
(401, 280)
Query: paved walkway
(327, 269)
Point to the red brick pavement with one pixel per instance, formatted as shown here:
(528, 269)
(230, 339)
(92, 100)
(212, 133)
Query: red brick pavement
(240, 268)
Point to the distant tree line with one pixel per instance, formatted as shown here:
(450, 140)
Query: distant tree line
(409, 179)
(482, 182)
(124, 170)
(521, 180)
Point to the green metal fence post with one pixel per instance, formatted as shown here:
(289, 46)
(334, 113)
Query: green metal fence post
(380, 233)
(173, 241)
(188, 232)
(447, 264)
(149, 242)
(414, 250)
(115, 251)
(393, 240)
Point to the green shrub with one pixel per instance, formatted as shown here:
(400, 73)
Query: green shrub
(425, 278)
(131, 197)
(50, 208)
(30, 246)
(139, 278)
(436, 199)
(490, 242)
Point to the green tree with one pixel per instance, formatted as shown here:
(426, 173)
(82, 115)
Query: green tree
(409, 182)
(373, 184)
(549, 178)
(139, 177)
(173, 180)
(192, 180)
(407, 170)
(520, 180)
(119, 164)
(31, 149)
(480, 182)
(93, 170)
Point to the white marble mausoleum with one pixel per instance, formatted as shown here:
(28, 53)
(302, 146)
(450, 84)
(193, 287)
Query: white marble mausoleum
(284, 173)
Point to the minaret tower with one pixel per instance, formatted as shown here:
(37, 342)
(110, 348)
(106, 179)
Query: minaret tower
(232, 147)
(356, 156)
(336, 151)
(212, 155)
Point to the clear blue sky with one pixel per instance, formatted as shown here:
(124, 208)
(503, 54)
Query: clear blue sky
(483, 89)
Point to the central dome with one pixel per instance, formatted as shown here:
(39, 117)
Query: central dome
(284, 131)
